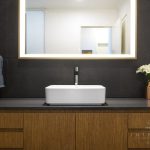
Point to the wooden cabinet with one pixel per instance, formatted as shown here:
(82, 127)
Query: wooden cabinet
(11, 120)
(101, 131)
(11, 130)
(74, 130)
(139, 121)
(139, 139)
(11, 139)
(139, 131)
(49, 131)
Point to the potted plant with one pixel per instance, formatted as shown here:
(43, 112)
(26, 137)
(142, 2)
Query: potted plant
(145, 69)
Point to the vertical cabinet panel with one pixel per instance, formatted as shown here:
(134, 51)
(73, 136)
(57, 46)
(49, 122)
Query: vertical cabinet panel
(49, 131)
(101, 131)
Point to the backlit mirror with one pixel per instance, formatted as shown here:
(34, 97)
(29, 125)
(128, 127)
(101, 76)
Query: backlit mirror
(78, 29)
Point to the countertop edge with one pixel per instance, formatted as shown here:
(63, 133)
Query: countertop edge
(38, 104)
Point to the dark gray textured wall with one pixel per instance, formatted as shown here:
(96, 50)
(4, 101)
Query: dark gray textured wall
(27, 78)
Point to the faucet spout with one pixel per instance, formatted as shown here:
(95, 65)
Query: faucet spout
(76, 75)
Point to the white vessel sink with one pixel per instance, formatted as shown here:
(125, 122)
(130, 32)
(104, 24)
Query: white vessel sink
(75, 94)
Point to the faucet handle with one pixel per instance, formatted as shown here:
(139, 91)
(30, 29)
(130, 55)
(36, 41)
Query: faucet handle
(76, 75)
(76, 69)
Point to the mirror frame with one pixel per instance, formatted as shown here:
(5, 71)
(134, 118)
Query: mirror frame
(133, 41)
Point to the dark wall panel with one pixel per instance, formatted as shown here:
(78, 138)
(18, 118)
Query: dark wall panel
(27, 78)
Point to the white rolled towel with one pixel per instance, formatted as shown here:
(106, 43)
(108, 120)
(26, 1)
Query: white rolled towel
(1, 74)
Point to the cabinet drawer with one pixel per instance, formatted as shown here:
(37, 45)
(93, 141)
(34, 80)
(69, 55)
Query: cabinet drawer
(139, 139)
(11, 120)
(139, 121)
(11, 139)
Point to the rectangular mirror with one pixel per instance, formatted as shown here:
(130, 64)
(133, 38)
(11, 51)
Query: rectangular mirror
(78, 29)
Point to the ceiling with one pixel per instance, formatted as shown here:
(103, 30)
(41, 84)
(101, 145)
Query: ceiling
(102, 4)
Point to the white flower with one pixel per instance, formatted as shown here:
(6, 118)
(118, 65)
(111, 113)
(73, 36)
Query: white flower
(144, 69)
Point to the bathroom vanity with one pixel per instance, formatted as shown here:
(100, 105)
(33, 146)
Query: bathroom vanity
(29, 125)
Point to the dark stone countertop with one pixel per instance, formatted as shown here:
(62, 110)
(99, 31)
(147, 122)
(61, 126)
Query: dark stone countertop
(38, 104)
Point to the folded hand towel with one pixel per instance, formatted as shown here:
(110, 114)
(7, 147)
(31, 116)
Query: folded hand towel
(1, 75)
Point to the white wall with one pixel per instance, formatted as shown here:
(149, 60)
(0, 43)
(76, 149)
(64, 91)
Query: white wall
(63, 27)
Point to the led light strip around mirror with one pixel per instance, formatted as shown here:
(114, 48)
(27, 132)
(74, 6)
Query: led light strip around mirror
(133, 40)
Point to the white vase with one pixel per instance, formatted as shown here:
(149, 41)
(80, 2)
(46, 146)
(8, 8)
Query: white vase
(148, 91)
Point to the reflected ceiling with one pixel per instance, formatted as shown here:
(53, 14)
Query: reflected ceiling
(105, 4)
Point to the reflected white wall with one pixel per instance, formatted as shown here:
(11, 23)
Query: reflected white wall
(35, 32)
(99, 39)
(58, 31)
(116, 37)
(126, 11)
(63, 28)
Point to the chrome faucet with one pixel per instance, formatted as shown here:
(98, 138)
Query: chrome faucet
(76, 75)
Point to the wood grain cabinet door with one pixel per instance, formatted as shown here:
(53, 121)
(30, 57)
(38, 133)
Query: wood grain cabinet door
(139, 121)
(101, 131)
(49, 131)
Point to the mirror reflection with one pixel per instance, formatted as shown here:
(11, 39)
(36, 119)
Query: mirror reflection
(78, 27)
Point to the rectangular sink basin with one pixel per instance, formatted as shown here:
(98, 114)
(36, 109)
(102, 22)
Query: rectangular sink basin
(75, 94)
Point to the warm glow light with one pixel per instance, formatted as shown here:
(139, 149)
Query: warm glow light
(133, 34)
(22, 28)
(79, 0)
